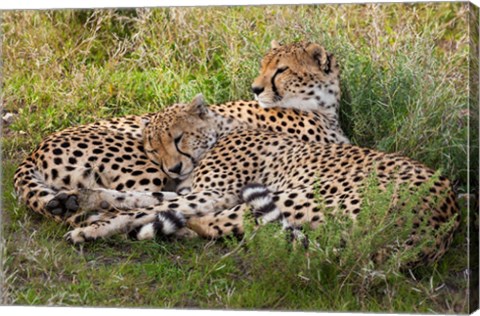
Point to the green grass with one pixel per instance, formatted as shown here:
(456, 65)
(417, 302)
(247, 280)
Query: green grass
(404, 88)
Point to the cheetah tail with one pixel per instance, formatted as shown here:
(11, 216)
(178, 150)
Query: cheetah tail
(264, 210)
(260, 200)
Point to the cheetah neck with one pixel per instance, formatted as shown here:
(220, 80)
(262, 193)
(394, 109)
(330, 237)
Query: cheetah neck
(329, 114)
(329, 111)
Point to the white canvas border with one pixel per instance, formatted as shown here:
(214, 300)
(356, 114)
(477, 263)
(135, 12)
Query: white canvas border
(74, 4)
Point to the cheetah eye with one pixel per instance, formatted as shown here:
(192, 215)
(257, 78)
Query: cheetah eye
(280, 70)
(177, 139)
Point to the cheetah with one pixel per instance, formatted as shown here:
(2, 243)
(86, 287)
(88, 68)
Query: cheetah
(299, 87)
(277, 176)
(120, 154)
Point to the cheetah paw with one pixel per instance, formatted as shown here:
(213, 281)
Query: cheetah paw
(76, 236)
(63, 204)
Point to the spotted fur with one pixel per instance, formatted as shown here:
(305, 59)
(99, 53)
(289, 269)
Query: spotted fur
(125, 155)
(290, 173)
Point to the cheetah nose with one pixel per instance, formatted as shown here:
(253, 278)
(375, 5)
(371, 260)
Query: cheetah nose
(177, 168)
(257, 90)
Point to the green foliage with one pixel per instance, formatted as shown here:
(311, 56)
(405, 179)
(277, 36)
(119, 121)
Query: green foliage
(365, 259)
(404, 88)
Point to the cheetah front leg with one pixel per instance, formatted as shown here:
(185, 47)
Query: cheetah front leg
(81, 206)
(100, 198)
(161, 216)
(109, 224)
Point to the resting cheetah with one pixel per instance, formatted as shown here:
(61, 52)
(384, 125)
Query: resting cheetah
(285, 82)
(290, 169)
(120, 154)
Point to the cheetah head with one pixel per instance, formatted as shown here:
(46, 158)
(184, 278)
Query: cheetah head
(300, 75)
(177, 137)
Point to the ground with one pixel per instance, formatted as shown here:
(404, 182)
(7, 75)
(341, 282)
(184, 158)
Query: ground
(405, 89)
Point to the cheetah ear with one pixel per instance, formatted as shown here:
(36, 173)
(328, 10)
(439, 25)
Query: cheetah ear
(318, 54)
(274, 44)
(198, 106)
(331, 64)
